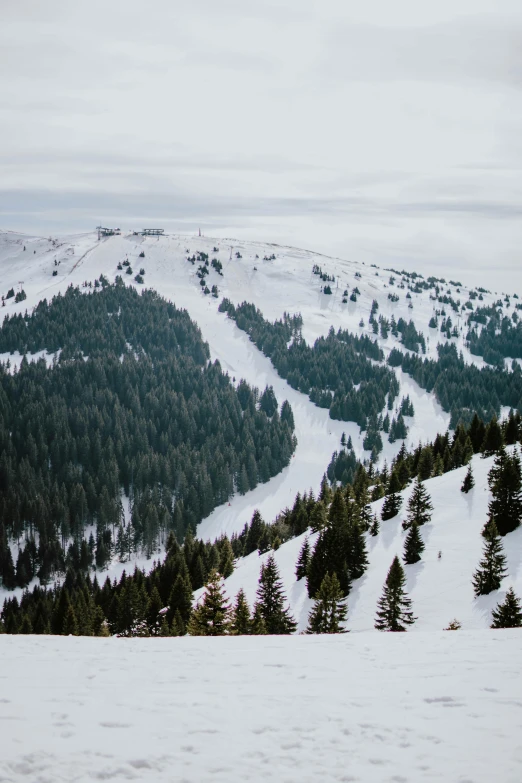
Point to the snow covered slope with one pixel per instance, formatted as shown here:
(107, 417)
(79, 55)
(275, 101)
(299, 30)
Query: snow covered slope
(391, 707)
(440, 588)
(275, 285)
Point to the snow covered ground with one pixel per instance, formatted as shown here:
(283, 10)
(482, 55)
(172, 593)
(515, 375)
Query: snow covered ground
(440, 588)
(401, 708)
(285, 283)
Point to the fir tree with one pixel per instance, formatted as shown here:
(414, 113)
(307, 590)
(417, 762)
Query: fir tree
(392, 501)
(374, 526)
(394, 606)
(241, 622)
(505, 483)
(70, 623)
(318, 517)
(329, 611)
(413, 545)
(180, 601)
(469, 481)
(212, 616)
(491, 570)
(271, 599)
(419, 506)
(301, 569)
(258, 627)
(509, 613)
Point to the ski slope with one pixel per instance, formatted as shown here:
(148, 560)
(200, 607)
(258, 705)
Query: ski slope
(285, 283)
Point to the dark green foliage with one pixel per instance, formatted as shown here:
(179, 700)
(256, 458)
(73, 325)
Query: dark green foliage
(419, 506)
(492, 567)
(505, 483)
(329, 611)
(469, 481)
(394, 607)
(211, 617)
(340, 547)
(241, 621)
(509, 613)
(393, 501)
(145, 413)
(413, 545)
(493, 439)
(270, 601)
(326, 372)
(301, 568)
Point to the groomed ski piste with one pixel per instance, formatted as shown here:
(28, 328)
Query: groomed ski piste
(426, 705)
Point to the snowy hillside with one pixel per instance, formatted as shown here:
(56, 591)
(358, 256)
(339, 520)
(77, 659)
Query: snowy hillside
(440, 588)
(277, 280)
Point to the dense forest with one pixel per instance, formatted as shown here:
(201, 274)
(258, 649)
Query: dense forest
(130, 417)
(338, 372)
(461, 388)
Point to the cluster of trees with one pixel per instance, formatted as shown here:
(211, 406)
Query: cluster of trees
(338, 372)
(132, 408)
(499, 338)
(463, 389)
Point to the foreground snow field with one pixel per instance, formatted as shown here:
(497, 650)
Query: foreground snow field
(390, 707)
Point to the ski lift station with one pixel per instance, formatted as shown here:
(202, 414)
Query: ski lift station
(107, 232)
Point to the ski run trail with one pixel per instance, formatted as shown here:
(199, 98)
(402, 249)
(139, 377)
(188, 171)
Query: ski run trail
(423, 706)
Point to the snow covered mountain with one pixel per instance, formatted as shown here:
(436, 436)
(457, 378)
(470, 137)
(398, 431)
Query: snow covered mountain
(278, 280)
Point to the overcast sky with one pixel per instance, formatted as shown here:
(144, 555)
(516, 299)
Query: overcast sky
(375, 130)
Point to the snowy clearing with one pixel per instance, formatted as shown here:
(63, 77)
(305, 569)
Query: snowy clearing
(389, 707)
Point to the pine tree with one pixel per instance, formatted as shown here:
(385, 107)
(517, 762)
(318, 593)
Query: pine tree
(491, 570)
(393, 608)
(492, 438)
(419, 506)
(180, 601)
(374, 527)
(318, 517)
(469, 481)
(413, 545)
(70, 624)
(258, 627)
(392, 501)
(509, 613)
(505, 483)
(271, 598)
(212, 616)
(329, 611)
(241, 622)
(301, 568)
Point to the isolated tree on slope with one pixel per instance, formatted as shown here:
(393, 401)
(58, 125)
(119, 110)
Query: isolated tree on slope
(329, 611)
(492, 567)
(413, 545)
(271, 599)
(393, 500)
(241, 622)
(301, 568)
(505, 483)
(509, 613)
(212, 616)
(394, 606)
(419, 506)
(469, 481)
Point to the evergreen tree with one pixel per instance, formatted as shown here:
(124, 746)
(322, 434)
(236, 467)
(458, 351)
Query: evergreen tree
(492, 438)
(212, 616)
(491, 570)
(241, 623)
(258, 627)
(180, 602)
(70, 623)
(394, 606)
(374, 527)
(509, 613)
(303, 561)
(271, 599)
(505, 483)
(319, 517)
(469, 481)
(413, 545)
(329, 611)
(392, 502)
(419, 506)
